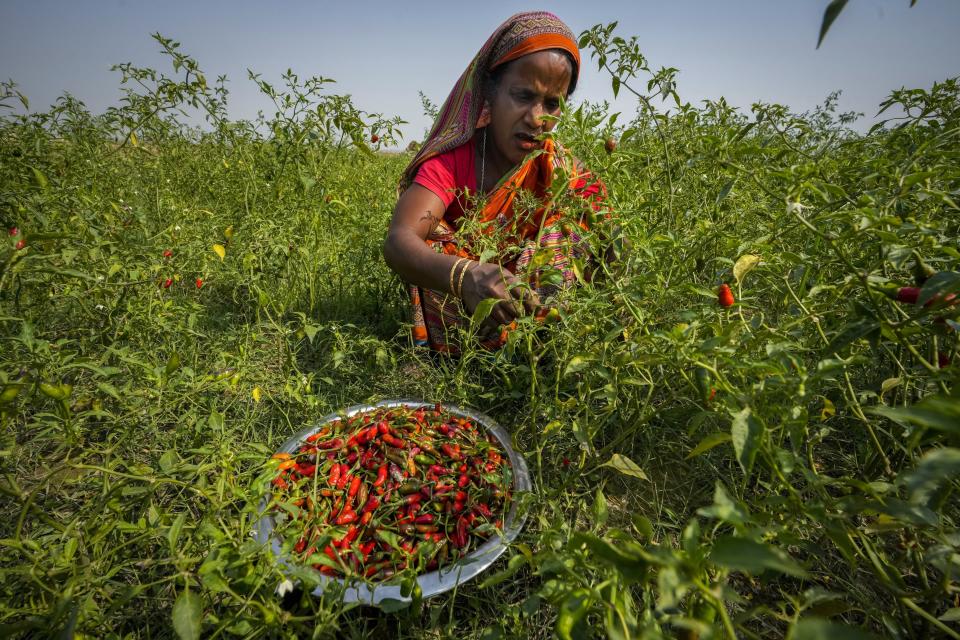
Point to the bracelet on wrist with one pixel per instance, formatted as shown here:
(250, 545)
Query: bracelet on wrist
(453, 273)
(463, 273)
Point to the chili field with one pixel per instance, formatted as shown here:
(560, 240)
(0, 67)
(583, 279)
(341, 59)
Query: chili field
(780, 460)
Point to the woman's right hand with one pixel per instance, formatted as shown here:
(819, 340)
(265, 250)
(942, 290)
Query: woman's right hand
(489, 280)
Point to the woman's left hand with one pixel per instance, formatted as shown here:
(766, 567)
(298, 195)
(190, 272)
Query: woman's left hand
(488, 280)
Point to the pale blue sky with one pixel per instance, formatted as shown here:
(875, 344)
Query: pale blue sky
(384, 52)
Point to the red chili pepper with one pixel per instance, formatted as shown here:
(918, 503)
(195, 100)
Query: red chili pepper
(372, 503)
(483, 509)
(334, 478)
(461, 496)
(366, 518)
(463, 481)
(381, 475)
(413, 498)
(345, 476)
(168, 254)
(383, 427)
(393, 441)
(450, 451)
(347, 517)
(908, 295)
(426, 518)
(725, 296)
(336, 443)
(300, 546)
(461, 533)
(354, 486)
(352, 457)
(306, 469)
(166, 283)
(349, 537)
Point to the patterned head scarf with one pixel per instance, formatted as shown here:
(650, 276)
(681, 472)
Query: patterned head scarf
(521, 34)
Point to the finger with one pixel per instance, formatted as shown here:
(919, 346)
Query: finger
(527, 296)
(505, 312)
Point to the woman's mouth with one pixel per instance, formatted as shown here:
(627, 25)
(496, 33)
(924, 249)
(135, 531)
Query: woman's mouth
(527, 142)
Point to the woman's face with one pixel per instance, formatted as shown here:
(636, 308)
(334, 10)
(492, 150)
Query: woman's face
(530, 87)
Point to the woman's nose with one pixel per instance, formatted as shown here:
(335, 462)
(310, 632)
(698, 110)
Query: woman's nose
(535, 113)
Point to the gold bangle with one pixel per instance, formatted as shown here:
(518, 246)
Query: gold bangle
(463, 273)
(453, 273)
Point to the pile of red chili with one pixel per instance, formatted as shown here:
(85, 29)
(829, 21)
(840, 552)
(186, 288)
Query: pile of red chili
(391, 489)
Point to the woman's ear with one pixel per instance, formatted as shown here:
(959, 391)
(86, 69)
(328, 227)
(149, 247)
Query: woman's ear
(484, 118)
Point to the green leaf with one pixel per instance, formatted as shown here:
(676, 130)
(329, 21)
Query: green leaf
(939, 284)
(853, 331)
(187, 615)
(173, 534)
(513, 565)
(951, 615)
(744, 265)
(109, 389)
(172, 364)
(933, 412)
(833, 10)
(40, 178)
(483, 310)
(168, 460)
(935, 468)
(392, 605)
(708, 443)
(626, 466)
(629, 560)
(724, 508)
(743, 554)
(570, 618)
(577, 363)
(822, 629)
(600, 508)
(746, 433)
(310, 330)
(725, 191)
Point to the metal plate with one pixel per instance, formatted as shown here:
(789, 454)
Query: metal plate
(434, 582)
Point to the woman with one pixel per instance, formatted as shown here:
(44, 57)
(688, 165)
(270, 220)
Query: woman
(487, 144)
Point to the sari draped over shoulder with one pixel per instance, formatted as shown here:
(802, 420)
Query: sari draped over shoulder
(530, 240)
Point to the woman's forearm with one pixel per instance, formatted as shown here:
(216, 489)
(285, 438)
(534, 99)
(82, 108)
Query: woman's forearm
(410, 257)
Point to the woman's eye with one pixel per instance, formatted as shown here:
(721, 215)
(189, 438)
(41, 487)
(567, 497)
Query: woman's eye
(553, 105)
